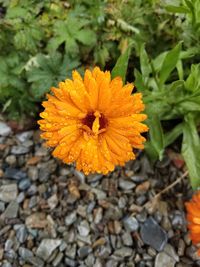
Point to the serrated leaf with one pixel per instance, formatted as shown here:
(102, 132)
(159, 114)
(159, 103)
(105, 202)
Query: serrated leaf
(169, 63)
(86, 37)
(48, 71)
(191, 150)
(121, 65)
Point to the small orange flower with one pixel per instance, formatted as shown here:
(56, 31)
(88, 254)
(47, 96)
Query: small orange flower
(94, 121)
(193, 217)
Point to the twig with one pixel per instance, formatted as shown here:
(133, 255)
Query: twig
(166, 189)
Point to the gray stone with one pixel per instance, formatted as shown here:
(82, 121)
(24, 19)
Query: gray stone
(169, 250)
(84, 228)
(111, 263)
(52, 201)
(33, 173)
(2, 206)
(11, 210)
(124, 252)
(126, 185)
(131, 224)
(32, 190)
(113, 213)
(22, 234)
(164, 260)
(35, 261)
(20, 197)
(7, 264)
(25, 253)
(93, 178)
(25, 136)
(20, 150)
(24, 184)
(71, 218)
(99, 193)
(57, 259)
(8, 244)
(33, 202)
(11, 160)
(71, 251)
(15, 174)
(70, 262)
(5, 130)
(152, 234)
(80, 176)
(46, 248)
(127, 239)
(84, 251)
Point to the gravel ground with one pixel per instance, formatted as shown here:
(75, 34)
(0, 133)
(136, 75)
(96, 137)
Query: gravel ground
(53, 215)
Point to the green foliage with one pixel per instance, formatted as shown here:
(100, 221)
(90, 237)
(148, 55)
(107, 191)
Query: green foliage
(45, 71)
(120, 68)
(168, 99)
(41, 42)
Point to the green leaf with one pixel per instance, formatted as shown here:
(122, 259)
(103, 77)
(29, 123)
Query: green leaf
(144, 62)
(177, 9)
(169, 63)
(172, 135)
(156, 134)
(191, 150)
(71, 31)
(47, 71)
(121, 65)
(86, 37)
(139, 81)
(193, 82)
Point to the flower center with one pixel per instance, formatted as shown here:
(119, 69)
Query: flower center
(95, 121)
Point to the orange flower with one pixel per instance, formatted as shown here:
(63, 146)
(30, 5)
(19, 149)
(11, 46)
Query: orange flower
(193, 217)
(94, 121)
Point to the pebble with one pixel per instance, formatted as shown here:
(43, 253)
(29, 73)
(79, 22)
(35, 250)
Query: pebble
(11, 160)
(5, 130)
(24, 136)
(11, 210)
(24, 184)
(70, 262)
(127, 239)
(2, 206)
(84, 251)
(131, 224)
(169, 250)
(46, 248)
(21, 234)
(33, 173)
(164, 260)
(52, 201)
(15, 174)
(71, 218)
(36, 220)
(35, 261)
(25, 253)
(142, 188)
(126, 185)
(152, 234)
(124, 252)
(84, 228)
(58, 259)
(20, 150)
